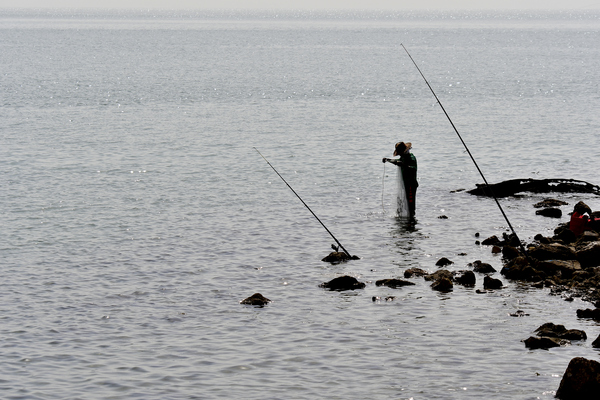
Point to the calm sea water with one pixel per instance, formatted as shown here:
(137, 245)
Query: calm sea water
(135, 213)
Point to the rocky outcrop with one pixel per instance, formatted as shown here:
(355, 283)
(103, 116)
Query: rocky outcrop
(256, 299)
(581, 380)
(343, 283)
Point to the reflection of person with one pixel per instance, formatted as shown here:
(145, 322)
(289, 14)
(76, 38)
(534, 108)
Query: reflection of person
(408, 164)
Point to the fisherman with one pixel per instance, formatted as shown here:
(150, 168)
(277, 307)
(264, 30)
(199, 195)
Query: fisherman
(408, 165)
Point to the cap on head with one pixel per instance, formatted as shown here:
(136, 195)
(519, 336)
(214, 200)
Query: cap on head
(401, 147)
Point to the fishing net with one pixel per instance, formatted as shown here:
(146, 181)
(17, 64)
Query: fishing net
(402, 210)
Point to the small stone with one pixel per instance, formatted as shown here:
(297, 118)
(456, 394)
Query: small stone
(343, 283)
(256, 299)
(442, 262)
(409, 273)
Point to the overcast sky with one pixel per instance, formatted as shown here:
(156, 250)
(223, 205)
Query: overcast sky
(310, 4)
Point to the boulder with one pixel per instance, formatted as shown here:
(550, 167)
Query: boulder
(393, 283)
(589, 255)
(559, 331)
(409, 273)
(482, 268)
(544, 342)
(492, 240)
(442, 262)
(443, 285)
(554, 251)
(566, 268)
(466, 278)
(442, 273)
(491, 283)
(343, 283)
(510, 252)
(596, 343)
(581, 380)
(550, 212)
(566, 235)
(336, 257)
(256, 299)
(589, 313)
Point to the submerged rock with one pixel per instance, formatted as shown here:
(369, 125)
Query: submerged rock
(393, 283)
(546, 343)
(336, 257)
(256, 299)
(559, 331)
(589, 313)
(343, 283)
(550, 212)
(581, 380)
(546, 203)
(482, 268)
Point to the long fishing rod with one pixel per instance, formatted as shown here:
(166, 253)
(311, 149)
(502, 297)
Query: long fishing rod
(305, 205)
(468, 151)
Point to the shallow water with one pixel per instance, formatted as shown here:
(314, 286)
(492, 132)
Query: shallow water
(136, 213)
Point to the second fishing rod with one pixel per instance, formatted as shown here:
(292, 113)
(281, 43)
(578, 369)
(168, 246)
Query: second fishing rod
(469, 152)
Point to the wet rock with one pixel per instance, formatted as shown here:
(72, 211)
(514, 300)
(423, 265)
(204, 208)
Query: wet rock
(546, 343)
(393, 283)
(581, 380)
(596, 343)
(550, 203)
(336, 257)
(589, 255)
(492, 240)
(589, 313)
(442, 262)
(482, 268)
(465, 278)
(566, 268)
(554, 251)
(491, 283)
(565, 235)
(510, 252)
(588, 236)
(559, 331)
(496, 249)
(437, 275)
(409, 273)
(550, 212)
(443, 285)
(343, 283)
(256, 299)
(443, 217)
(519, 313)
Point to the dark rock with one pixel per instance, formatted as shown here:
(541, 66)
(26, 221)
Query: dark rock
(343, 283)
(514, 186)
(510, 252)
(552, 251)
(256, 299)
(550, 203)
(589, 255)
(550, 212)
(442, 262)
(566, 236)
(491, 283)
(409, 273)
(442, 273)
(589, 313)
(393, 283)
(559, 331)
(442, 285)
(544, 342)
(466, 278)
(496, 249)
(482, 268)
(492, 240)
(596, 343)
(581, 380)
(566, 268)
(574, 334)
(588, 236)
(336, 257)
(519, 313)
(443, 217)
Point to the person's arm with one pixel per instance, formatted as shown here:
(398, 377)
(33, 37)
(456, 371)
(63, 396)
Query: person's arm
(395, 161)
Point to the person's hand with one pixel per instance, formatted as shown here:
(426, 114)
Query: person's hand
(384, 160)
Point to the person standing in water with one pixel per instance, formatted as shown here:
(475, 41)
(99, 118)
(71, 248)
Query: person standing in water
(408, 165)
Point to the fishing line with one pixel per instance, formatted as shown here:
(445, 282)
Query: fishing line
(468, 151)
(383, 187)
(305, 205)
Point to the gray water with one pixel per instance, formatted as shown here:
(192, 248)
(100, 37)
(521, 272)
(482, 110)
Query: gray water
(135, 213)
